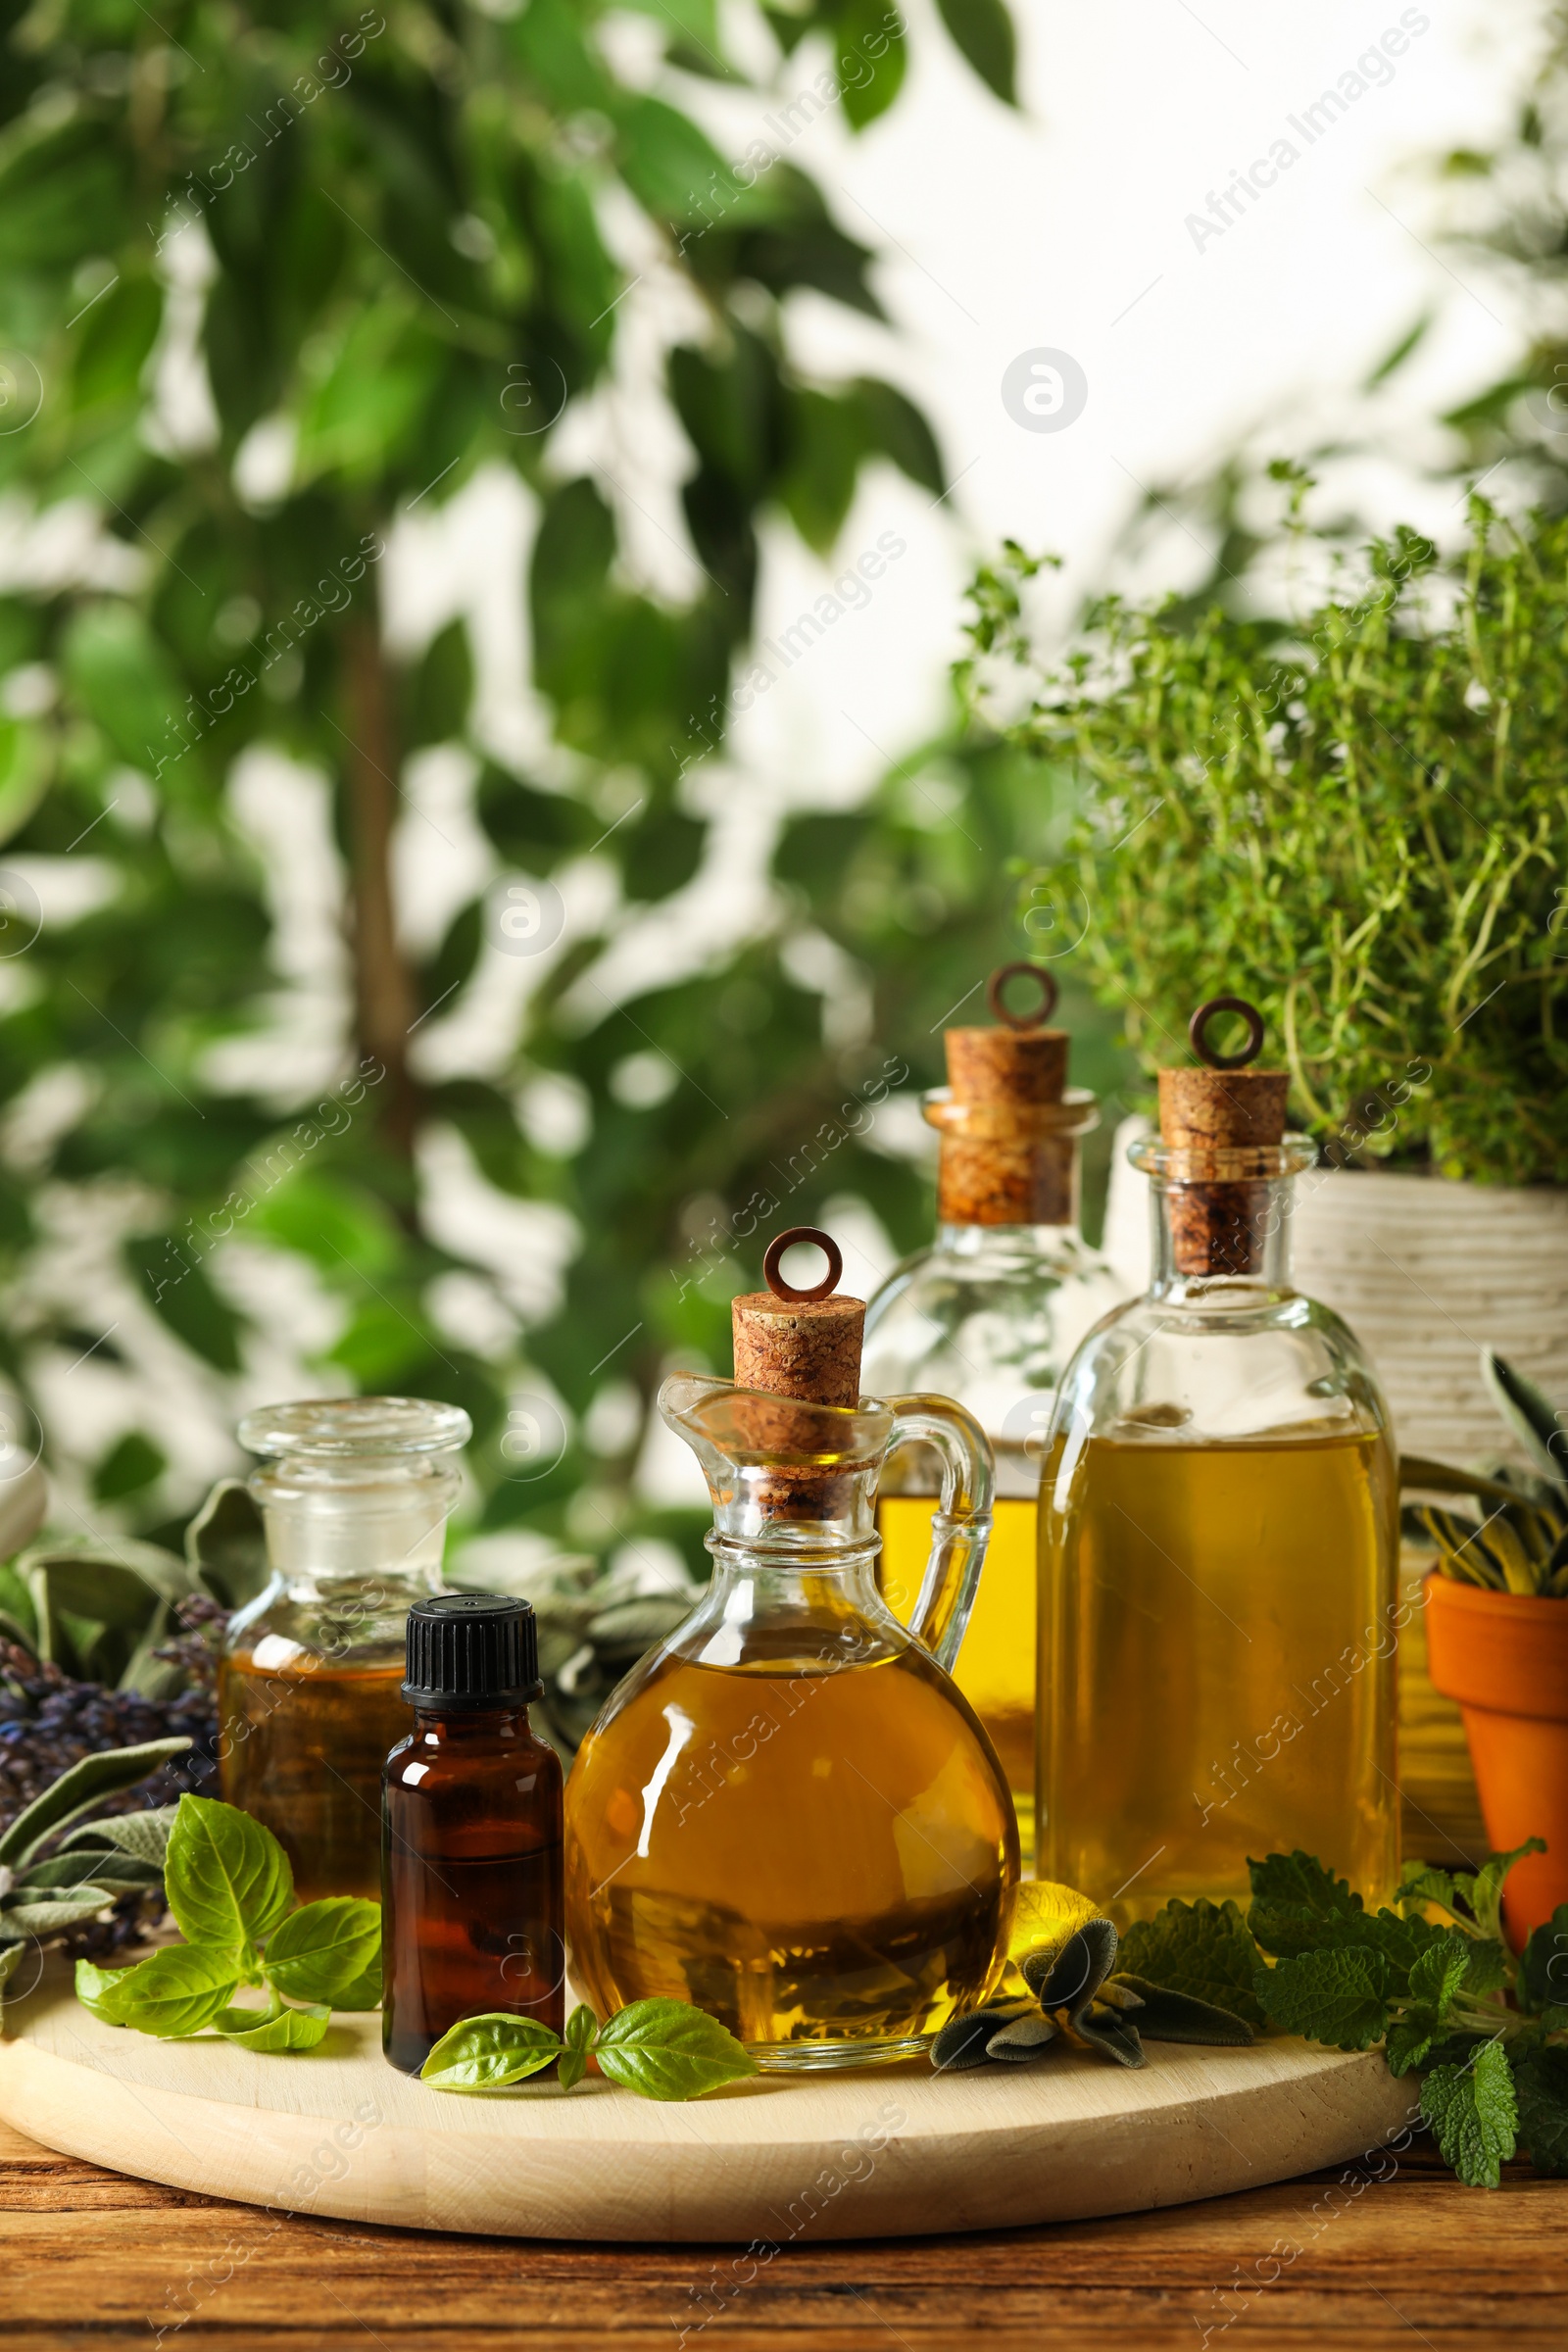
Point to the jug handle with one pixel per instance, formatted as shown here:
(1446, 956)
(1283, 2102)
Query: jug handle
(960, 1526)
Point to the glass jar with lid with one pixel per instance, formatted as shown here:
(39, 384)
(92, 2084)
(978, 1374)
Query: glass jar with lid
(354, 1495)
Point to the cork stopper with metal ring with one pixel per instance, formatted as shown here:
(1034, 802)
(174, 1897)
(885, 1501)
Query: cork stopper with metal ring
(801, 1346)
(1007, 1119)
(1222, 1127)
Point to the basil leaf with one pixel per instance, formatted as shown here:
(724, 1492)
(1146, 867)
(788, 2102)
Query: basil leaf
(291, 2030)
(670, 2050)
(94, 1777)
(581, 2027)
(1474, 2115)
(316, 1953)
(99, 1989)
(489, 2053)
(176, 1993)
(227, 1879)
(364, 1992)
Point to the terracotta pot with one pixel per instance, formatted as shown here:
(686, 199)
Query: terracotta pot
(1504, 1657)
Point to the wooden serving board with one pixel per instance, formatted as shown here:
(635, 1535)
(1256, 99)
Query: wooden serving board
(883, 2152)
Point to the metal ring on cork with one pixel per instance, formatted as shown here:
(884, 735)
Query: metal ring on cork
(786, 1241)
(1254, 1033)
(1044, 981)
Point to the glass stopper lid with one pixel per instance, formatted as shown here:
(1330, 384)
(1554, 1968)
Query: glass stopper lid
(337, 1427)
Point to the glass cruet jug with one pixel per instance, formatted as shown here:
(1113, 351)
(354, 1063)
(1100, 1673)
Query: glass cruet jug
(787, 1813)
(1219, 1541)
(990, 1314)
(354, 1495)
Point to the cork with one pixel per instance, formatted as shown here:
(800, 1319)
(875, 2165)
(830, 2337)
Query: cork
(802, 1347)
(1006, 1119)
(1222, 1126)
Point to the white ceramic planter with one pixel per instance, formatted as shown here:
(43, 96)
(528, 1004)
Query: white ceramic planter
(1426, 1273)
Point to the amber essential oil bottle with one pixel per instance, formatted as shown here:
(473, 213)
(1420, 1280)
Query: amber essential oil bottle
(470, 1832)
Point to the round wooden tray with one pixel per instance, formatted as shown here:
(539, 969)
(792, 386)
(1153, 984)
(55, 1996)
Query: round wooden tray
(886, 2151)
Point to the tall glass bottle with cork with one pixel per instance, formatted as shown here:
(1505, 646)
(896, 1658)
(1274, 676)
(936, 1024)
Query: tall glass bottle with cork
(355, 1495)
(787, 1814)
(990, 1314)
(1219, 1531)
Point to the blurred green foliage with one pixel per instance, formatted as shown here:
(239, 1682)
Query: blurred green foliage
(381, 243)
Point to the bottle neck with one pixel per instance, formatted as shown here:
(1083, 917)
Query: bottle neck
(1221, 1218)
(1010, 1164)
(475, 1727)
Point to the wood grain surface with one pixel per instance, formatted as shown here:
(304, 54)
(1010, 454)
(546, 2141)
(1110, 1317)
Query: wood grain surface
(870, 2152)
(88, 2259)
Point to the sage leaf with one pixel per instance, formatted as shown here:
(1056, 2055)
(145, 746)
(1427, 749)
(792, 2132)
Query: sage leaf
(175, 1994)
(1341, 1998)
(1023, 2038)
(1201, 1948)
(97, 1867)
(143, 1836)
(1073, 1976)
(291, 2030)
(1166, 2016)
(87, 1782)
(42, 1914)
(316, 1953)
(1540, 2089)
(490, 2053)
(1111, 2033)
(670, 2050)
(1474, 2115)
(227, 1879)
(965, 2041)
(10, 1959)
(582, 2026)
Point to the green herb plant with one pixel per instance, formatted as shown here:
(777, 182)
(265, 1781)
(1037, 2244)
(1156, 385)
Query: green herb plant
(1354, 818)
(1433, 1981)
(230, 1887)
(661, 2049)
(1521, 1543)
(43, 1897)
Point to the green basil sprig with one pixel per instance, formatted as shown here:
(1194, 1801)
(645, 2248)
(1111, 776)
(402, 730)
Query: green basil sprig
(230, 1887)
(661, 2049)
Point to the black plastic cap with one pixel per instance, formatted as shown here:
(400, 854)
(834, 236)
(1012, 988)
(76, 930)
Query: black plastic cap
(471, 1652)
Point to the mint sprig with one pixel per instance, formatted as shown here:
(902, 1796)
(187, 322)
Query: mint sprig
(659, 2049)
(230, 1888)
(1486, 2034)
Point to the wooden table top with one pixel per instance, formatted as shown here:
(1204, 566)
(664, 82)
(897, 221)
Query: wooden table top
(1390, 2252)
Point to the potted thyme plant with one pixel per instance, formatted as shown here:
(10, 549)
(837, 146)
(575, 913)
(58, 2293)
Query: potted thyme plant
(1357, 819)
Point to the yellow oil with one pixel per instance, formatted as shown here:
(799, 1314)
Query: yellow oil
(1219, 1667)
(303, 1751)
(816, 1854)
(996, 1667)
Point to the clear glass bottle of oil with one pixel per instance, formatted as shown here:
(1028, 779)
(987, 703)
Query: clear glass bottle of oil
(1219, 1548)
(787, 1814)
(355, 1495)
(990, 1314)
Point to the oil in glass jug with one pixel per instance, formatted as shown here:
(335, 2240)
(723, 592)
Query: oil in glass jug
(1219, 1529)
(354, 1495)
(787, 1814)
(990, 1314)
